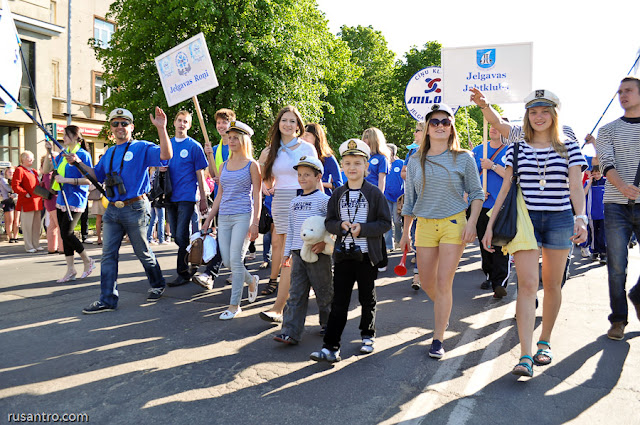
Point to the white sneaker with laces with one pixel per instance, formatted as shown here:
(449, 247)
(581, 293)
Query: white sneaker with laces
(367, 346)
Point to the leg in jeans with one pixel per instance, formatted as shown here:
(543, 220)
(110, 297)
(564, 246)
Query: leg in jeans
(344, 277)
(266, 247)
(296, 312)
(135, 219)
(160, 215)
(232, 235)
(388, 236)
(618, 228)
(366, 277)
(634, 293)
(322, 284)
(152, 224)
(179, 215)
(114, 231)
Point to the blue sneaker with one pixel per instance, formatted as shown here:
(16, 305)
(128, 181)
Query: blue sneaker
(326, 355)
(436, 351)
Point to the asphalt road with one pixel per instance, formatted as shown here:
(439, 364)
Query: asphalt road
(174, 361)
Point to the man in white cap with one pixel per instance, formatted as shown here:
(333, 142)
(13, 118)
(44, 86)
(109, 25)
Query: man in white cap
(124, 169)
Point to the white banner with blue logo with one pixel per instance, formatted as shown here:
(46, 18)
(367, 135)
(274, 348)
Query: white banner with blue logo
(502, 72)
(422, 91)
(186, 70)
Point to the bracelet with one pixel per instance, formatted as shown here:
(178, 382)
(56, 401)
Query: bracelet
(254, 224)
(484, 107)
(584, 218)
(76, 182)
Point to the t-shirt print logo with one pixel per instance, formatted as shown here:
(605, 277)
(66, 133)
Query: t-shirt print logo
(184, 153)
(128, 156)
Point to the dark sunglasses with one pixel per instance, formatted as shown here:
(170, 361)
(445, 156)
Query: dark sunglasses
(446, 122)
(417, 129)
(120, 123)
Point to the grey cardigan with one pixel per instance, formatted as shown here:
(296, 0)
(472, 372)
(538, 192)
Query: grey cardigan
(378, 220)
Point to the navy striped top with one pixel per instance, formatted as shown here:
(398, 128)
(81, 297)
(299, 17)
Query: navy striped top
(236, 190)
(302, 207)
(553, 194)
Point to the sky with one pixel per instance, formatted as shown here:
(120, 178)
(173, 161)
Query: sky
(581, 49)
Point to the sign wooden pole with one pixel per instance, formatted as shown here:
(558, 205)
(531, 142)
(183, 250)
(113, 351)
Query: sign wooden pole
(485, 154)
(204, 130)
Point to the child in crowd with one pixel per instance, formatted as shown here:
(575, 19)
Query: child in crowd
(304, 275)
(358, 213)
(394, 188)
(594, 190)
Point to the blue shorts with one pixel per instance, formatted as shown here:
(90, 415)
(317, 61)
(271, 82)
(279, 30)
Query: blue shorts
(553, 229)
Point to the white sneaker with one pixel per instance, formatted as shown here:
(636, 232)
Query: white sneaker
(228, 314)
(585, 252)
(382, 269)
(254, 294)
(32, 250)
(203, 280)
(40, 248)
(367, 346)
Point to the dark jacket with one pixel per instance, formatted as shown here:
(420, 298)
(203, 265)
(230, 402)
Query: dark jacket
(378, 220)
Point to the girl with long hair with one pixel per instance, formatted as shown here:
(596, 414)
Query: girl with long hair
(332, 177)
(380, 157)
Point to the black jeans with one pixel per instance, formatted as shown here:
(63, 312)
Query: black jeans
(345, 274)
(70, 242)
(179, 217)
(495, 265)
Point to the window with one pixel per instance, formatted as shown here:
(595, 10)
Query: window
(28, 70)
(99, 96)
(102, 32)
(53, 12)
(10, 144)
(55, 73)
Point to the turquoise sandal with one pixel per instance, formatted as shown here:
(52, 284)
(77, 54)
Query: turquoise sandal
(527, 369)
(543, 356)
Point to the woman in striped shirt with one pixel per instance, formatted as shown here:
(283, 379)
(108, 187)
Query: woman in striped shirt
(550, 172)
(237, 205)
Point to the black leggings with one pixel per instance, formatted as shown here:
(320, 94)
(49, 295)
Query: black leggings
(69, 240)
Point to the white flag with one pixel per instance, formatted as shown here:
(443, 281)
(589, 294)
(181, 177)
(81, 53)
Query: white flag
(637, 64)
(10, 62)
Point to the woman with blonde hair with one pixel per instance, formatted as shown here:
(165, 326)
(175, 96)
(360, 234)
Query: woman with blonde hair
(24, 181)
(438, 176)
(379, 159)
(284, 150)
(550, 175)
(237, 206)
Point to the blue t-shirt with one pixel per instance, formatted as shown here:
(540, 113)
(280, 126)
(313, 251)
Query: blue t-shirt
(494, 181)
(595, 200)
(411, 152)
(77, 196)
(225, 156)
(377, 164)
(394, 187)
(331, 170)
(135, 167)
(188, 157)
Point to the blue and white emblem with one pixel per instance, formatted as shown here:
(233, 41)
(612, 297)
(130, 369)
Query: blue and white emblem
(182, 62)
(486, 58)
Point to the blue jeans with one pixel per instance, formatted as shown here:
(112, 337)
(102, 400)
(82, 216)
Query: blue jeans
(179, 216)
(620, 221)
(157, 216)
(266, 247)
(233, 243)
(395, 233)
(131, 220)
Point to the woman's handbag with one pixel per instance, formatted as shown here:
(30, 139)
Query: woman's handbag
(505, 225)
(42, 192)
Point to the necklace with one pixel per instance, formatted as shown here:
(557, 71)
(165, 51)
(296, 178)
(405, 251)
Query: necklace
(543, 178)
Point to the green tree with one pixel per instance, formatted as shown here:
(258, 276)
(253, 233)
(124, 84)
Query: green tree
(264, 54)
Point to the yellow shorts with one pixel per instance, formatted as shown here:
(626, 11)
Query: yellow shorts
(431, 232)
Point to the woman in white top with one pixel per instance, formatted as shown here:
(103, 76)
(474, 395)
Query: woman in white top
(280, 180)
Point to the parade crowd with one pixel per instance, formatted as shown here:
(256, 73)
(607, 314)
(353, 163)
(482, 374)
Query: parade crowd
(358, 205)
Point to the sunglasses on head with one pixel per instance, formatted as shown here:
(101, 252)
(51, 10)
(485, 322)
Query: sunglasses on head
(446, 122)
(120, 123)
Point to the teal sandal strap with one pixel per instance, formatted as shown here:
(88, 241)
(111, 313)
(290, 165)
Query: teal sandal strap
(544, 343)
(528, 366)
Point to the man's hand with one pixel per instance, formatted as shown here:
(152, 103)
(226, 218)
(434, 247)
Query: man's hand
(486, 163)
(478, 98)
(160, 120)
(203, 206)
(590, 139)
(207, 148)
(630, 191)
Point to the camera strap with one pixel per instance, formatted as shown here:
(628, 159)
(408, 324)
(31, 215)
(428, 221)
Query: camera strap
(354, 213)
(121, 160)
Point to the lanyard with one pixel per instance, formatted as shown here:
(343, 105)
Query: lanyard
(121, 160)
(354, 213)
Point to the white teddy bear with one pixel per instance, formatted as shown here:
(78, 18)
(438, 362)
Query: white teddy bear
(312, 232)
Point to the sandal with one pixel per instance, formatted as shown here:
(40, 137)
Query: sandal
(68, 277)
(523, 368)
(543, 356)
(271, 287)
(90, 269)
(263, 265)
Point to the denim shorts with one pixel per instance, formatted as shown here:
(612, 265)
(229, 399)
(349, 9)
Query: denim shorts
(553, 229)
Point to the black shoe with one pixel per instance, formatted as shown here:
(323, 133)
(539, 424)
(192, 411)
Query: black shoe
(96, 307)
(603, 259)
(155, 294)
(285, 339)
(179, 281)
(486, 284)
(499, 292)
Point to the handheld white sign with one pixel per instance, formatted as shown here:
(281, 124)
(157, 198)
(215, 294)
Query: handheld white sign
(422, 91)
(502, 72)
(186, 70)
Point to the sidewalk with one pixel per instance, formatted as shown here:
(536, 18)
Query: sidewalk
(174, 361)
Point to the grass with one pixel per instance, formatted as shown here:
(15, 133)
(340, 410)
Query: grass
(91, 224)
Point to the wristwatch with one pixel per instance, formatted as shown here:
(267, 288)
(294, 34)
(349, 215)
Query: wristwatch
(584, 218)
(494, 166)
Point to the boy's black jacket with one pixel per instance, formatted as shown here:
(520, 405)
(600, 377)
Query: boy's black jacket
(378, 220)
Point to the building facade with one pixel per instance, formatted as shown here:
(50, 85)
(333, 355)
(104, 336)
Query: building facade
(43, 30)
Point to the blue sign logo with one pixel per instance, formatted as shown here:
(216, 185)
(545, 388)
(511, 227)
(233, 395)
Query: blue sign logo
(486, 58)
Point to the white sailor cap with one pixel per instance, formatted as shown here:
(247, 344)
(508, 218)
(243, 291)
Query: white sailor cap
(121, 113)
(355, 147)
(439, 107)
(310, 161)
(240, 127)
(541, 98)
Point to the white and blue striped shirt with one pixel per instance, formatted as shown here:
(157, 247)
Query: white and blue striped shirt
(554, 194)
(354, 208)
(236, 190)
(301, 208)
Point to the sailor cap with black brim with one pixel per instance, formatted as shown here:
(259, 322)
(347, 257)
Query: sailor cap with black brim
(439, 107)
(355, 147)
(240, 127)
(121, 113)
(541, 98)
(311, 162)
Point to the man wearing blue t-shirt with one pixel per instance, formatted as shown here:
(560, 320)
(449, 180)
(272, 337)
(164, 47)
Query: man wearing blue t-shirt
(124, 169)
(495, 265)
(186, 170)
